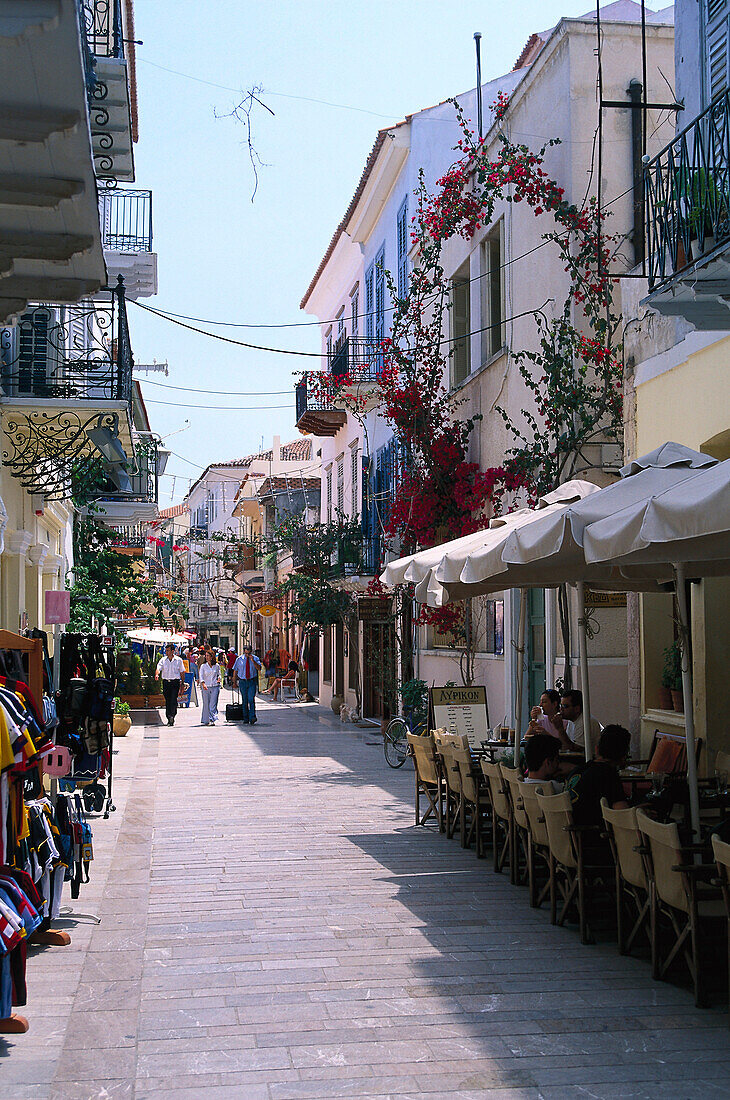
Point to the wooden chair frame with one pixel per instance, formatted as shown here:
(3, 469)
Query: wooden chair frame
(679, 901)
(570, 875)
(422, 750)
(633, 888)
(721, 852)
(501, 820)
(519, 842)
(474, 815)
(538, 849)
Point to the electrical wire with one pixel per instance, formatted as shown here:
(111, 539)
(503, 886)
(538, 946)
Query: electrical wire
(220, 393)
(217, 408)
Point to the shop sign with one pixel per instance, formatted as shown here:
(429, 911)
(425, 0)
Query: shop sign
(373, 609)
(461, 710)
(57, 608)
(267, 610)
(604, 599)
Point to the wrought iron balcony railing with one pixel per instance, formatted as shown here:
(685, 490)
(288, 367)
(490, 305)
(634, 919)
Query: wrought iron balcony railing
(359, 360)
(104, 27)
(141, 470)
(126, 220)
(130, 537)
(357, 557)
(687, 195)
(69, 353)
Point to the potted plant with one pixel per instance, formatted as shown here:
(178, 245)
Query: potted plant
(133, 694)
(122, 719)
(151, 686)
(414, 694)
(672, 677)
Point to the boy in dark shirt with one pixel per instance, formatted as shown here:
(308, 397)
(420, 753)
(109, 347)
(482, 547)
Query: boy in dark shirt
(599, 778)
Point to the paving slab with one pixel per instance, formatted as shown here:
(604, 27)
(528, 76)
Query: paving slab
(274, 927)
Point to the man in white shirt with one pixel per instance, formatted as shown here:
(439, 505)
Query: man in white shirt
(210, 686)
(246, 673)
(571, 715)
(172, 670)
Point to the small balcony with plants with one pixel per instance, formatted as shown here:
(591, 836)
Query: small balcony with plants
(687, 215)
(350, 384)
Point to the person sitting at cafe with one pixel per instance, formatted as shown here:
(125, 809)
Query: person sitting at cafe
(290, 676)
(599, 778)
(569, 721)
(542, 757)
(542, 717)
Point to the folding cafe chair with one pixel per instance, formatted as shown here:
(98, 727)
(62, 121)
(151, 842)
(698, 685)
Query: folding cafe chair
(501, 821)
(721, 851)
(519, 872)
(633, 889)
(538, 845)
(685, 906)
(474, 813)
(428, 780)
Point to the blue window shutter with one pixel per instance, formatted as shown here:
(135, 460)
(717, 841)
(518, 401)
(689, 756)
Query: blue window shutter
(369, 305)
(402, 235)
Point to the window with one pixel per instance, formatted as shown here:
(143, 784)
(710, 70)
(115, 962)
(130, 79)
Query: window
(494, 627)
(375, 300)
(716, 36)
(327, 655)
(328, 482)
(460, 326)
(340, 486)
(402, 236)
(355, 480)
(492, 294)
(328, 344)
(340, 327)
(355, 311)
(353, 656)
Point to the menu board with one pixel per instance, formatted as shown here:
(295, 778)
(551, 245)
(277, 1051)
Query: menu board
(461, 710)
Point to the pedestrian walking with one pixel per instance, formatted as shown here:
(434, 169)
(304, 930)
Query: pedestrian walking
(210, 686)
(172, 670)
(246, 672)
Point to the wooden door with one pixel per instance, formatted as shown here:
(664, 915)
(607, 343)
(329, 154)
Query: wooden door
(378, 668)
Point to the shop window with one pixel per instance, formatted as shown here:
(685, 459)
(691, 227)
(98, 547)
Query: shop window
(327, 655)
(494, 627)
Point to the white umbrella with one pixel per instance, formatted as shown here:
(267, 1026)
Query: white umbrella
(550, 550)
(436, 571)
(153, 636)
(688, 527)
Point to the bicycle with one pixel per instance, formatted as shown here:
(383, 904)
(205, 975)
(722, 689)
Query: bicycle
(395, 741)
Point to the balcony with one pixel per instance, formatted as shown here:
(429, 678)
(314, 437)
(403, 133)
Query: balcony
(360, 557)
(49, 225)
(687, 199)
(65, 372)
(130, 539)
(140, 503)
(323, 398)
(126, 233)
(112, 124)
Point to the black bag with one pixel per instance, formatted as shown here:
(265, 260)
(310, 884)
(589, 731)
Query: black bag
(234, 712)
(100, 699)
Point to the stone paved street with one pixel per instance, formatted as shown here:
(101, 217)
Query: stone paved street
(275, 928)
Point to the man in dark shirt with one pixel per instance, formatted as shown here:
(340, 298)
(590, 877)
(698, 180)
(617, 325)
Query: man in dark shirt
(599, 778)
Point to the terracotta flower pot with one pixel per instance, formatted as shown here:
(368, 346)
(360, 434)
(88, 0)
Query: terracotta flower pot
(122, 724)
(678, 701)
(665, 699)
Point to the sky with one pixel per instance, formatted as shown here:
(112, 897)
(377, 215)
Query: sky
(224, 258)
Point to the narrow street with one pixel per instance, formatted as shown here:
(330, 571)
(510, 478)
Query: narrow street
(274, 927)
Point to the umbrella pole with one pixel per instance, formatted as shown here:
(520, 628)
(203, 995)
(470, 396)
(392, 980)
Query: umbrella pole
(689, 718)
(520, 650)
(584, 681)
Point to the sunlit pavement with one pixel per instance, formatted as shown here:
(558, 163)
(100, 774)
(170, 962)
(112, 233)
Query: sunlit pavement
(273, 926)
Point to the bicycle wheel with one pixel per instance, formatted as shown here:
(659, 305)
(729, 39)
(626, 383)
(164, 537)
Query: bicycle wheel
(395, 743)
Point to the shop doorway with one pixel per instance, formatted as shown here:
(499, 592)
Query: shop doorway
(378, 668)
(339, 684)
